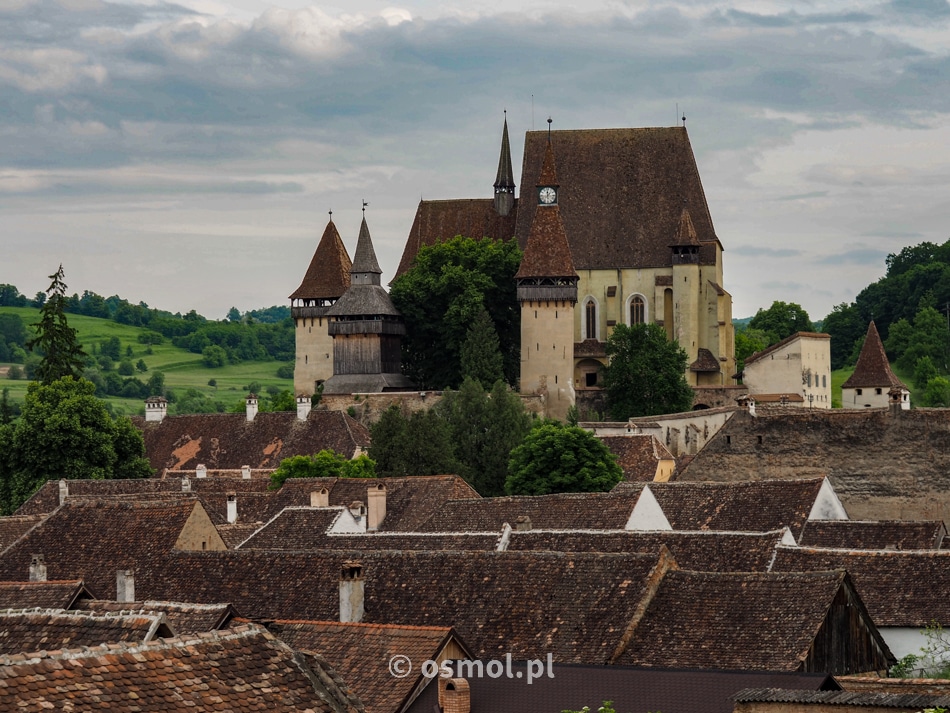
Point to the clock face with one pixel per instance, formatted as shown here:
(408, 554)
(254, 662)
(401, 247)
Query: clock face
(547, 195)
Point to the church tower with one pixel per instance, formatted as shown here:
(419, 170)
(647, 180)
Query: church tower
(547, 291)
(504, 180)
(366, 329)
(327, 278)
(684, 296)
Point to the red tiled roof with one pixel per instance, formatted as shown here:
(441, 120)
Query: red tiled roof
(328, 275)
(14, 527)
(874, 535)
(705, 362)
(872, 368)
(52, 629)
(184, 618)
(52, 594)
(637, 454)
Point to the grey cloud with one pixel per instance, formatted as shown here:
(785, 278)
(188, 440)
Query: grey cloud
(758, 251)
(803, 196)
(857, 256)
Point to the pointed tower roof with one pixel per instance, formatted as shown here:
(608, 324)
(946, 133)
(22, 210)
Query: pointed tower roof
(505, 177)
(547, 253)
(364, 259)
(872, 369)
(328, 275)
(685, 231)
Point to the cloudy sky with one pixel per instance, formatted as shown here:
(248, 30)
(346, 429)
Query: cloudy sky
(186, 153)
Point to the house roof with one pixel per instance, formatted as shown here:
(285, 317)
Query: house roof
(234, 534)
(730, 620)
(229, 440)
(328, 274)
(184, 618)
(631, 689)
(621, 195)
(685, 231)
(872, 368)
(851, 699)
(638, 454)
(779, 345)
(562, 511)
(52, 629)
(436, 221)
(361, 654)
(874, 535)
(906, 589)
(53, 594)
(705, 362)
(14, 527)
(244, 670)
(748, 506)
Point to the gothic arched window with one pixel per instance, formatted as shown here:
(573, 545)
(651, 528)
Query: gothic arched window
(590, 314)
(638, 310)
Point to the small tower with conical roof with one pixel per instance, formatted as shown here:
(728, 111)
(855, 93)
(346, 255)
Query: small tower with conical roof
(327, 278)
(547, 291)
(504, 180)
(684, 299)
(873, 380)
(366, 329)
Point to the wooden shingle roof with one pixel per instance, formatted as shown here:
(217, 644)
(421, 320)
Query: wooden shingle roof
(328, 275)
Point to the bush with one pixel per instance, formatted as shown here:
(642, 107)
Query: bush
(15, 372)
(126, 368)
(285, 371)
(214, 357)
(141, 365)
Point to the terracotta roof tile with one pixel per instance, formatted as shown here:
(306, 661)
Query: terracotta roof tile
(52, 594)
(685, 231)
(637, 454)
(872, 368)
(847, 699)
(706, 362)
(328, 275)
(14, 527)
(183, 618)
(53, 629)
(874, 535)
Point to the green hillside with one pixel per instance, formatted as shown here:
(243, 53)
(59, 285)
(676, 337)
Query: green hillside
(183, 369)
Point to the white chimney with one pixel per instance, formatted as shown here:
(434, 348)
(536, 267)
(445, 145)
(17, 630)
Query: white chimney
(63, 491)
(303, 407)
(232, 508)
(245, 472)
(201, 471)
(375, 506)
(523, 523)
(251, 402)
(37, 568)
(320, 498)
(125, 585)
(156, 408)
(351, 593)
(185, 484)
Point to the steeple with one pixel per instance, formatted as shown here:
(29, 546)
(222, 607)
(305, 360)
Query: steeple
(504, 180)
(872, 369)
(685, 244)
(365, 270)
(328, 275)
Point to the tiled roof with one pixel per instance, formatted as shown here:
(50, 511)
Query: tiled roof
(778, 345)
(14, 527)
(631, 689)
(328, 275)
(46, 595)
(436, 221)
(99, 537)
(637, 454)
(241, 671)
(53, 629)
(574, 605)
(874, 535)
(563, 511)
(361, 654)
(228, 440)
(705, 362)
(685, 232)
(872, 368)
(235, 534)
(183, 618)
(749, 506)
(621, 195)
(906, 701)
(906, 589)
(729, 620)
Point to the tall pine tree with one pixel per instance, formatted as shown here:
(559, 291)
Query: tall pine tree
(481, 354)
(55, 339)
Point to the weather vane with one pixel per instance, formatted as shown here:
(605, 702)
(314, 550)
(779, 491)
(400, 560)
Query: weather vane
(364, 207)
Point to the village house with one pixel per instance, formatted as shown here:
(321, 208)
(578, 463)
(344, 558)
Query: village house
(871, 383)
(798, 367)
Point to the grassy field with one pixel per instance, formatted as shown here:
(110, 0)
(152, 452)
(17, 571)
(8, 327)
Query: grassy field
(182, 369)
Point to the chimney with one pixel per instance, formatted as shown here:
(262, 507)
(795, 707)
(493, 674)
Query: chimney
(894, 402)
(37, 568)
(303, 407)
(125, 585)
(455, 696)
(251, 402)
(156, 408)
(201, 471)
(232, 508)
(351, 593)
(523, 523)
(185, 484)
(320, 498)
(63, 491)
(375, 507)
(357, 510)
(245, 472)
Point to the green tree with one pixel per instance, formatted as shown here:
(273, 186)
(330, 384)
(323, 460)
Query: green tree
(846, 326)
(141, 366)
(64, 431)
(924, 371)
(234, 315)
(481, 353)
(62, 355)
(441, 295)
(927, 336)
(126, 367)
(781, 320)
(112, 348)
(325, 464)
(283, 400)
(645, 373)
(937, 393)
(561, 459)
(605, 707)
(484, 428)
(214, 356)
(748, 342)
(416, 444)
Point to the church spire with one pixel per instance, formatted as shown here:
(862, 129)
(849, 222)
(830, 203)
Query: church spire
(504, 180)
(365, 270)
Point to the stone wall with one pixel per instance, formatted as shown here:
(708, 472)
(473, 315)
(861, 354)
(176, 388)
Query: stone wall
(367, 408)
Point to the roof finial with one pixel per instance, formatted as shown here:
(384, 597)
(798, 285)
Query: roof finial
(331, 214)
(364, 207)
(550, 120)
(684, 119)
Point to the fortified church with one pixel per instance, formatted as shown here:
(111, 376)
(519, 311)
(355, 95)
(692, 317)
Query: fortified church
(615, 229)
